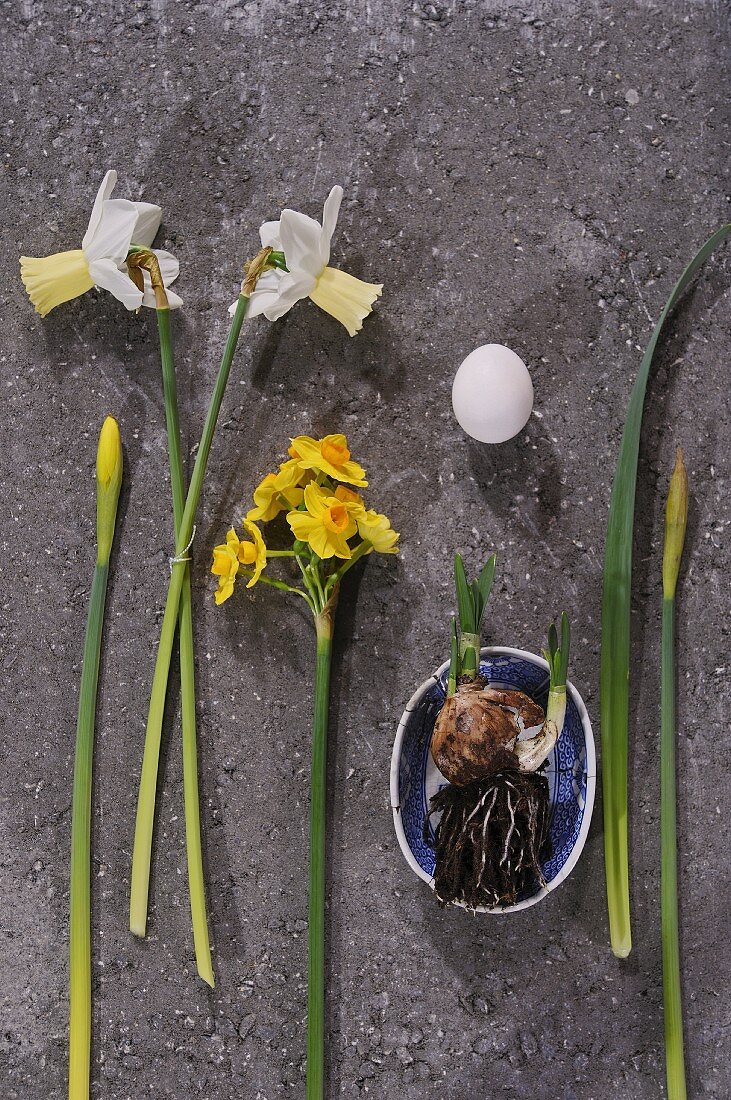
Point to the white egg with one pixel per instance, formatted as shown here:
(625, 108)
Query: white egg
(492, 394)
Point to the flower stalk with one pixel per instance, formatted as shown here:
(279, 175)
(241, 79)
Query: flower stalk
(676, 518)
(196, 885)
(332, 530)
(108, 480)
(142, 849)
(318, 834)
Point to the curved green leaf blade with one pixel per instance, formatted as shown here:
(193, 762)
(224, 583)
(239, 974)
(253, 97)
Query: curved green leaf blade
(615, 647)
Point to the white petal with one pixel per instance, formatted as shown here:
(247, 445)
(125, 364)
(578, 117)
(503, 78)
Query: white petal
(265, 294)
(113, 234)
(259, 302)
(301, 242)
(292, 288)
(269, 236)
(330, 213)
(106, 274)
(169, 266)
(149, 217)
(148, 298)
(275, 298)
(174, 300)
(107, 186)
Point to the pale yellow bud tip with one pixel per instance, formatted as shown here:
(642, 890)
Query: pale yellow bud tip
(676, 520)
(109, 452)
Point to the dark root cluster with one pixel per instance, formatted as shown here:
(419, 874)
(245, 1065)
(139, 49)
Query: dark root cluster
(491, 838)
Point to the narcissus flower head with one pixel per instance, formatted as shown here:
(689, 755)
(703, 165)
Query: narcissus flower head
(330, 456)
(305, 247)
(377, 530)
(327, 524)
(234, 552)
(274, 494)
(114, 225)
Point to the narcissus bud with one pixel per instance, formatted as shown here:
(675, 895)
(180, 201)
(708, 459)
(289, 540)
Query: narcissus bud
(676, 520)
(108, 483)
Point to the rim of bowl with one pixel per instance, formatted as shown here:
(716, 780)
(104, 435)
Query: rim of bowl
(533, 658)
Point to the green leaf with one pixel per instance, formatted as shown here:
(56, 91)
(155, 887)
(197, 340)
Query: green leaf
(615, 646)
(464, 597)
(484, 587)
(553, 641)
(469, 662)
(565, 646)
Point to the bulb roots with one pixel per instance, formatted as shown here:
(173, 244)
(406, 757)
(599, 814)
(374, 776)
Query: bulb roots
(491, 838)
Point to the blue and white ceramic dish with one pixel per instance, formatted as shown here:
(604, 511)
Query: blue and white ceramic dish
(571, 769)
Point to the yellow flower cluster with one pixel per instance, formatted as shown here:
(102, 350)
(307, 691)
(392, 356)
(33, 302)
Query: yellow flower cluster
(234, 552)
(313, 487)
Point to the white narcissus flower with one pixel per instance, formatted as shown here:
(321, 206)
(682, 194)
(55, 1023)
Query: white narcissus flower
(114, 225)
(306, 247)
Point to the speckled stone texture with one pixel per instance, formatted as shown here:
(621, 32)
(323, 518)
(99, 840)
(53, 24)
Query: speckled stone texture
(530, 175)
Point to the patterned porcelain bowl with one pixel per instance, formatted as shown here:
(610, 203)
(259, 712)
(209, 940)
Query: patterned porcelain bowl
(571, 769)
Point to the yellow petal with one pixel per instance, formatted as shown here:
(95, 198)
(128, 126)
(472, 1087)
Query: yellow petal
(224, 590)
(260, 552)
(302, 525)
(315, 499)
(225, 561)
(349, 496)
(311, 457)
(347, 299)
(290, 476)
(326, 544)
(51, 280)
(378, 531)
(265, 500)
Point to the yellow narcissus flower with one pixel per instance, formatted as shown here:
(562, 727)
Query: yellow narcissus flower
(268, 502)
(372, 526)
(292, 475)
(377, 530)
(327, 524)
(229, 555)
(306, 248)
(330, 456)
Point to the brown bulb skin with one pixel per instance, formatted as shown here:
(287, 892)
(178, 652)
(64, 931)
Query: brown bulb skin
(474, 734)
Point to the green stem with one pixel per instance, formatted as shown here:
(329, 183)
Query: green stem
(80, 916)
(196, 886)
(109, 471)
(674, 1058)
(334, 579)
(140, 879)
(317, 587)
(318, 808)
(281, 586)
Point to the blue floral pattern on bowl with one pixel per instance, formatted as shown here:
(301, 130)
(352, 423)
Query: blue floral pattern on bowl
(571, 768)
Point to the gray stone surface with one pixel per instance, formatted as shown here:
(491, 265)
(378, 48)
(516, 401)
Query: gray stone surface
(533, 175)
